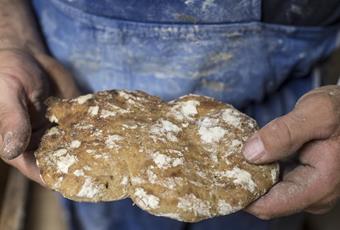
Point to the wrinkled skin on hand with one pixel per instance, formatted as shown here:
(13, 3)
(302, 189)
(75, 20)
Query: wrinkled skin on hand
(310, 132)
(25, 82)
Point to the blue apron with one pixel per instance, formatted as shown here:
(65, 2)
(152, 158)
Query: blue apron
(228, 54)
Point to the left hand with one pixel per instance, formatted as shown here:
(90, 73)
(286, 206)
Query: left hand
(312, 131)
(26, 80)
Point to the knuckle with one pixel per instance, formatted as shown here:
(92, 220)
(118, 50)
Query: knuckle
(12, 58)
(323, 111)
(282, 133)
(20, 65)
(287, 130)
(327, 106)
(11, 82)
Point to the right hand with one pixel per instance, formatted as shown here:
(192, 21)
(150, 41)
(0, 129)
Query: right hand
(26, 80)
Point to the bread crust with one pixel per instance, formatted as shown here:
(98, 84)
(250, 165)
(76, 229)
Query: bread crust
(181, 159)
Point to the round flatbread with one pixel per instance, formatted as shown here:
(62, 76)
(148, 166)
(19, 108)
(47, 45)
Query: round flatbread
(182, 159)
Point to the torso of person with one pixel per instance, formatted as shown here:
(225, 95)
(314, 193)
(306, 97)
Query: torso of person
(256, 55)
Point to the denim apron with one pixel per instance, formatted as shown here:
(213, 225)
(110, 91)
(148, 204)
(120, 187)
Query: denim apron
(228, 54)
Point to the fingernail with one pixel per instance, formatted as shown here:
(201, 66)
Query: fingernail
(11, 146)
(254, 149)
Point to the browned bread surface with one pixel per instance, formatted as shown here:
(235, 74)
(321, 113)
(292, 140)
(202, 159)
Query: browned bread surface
(180, 159)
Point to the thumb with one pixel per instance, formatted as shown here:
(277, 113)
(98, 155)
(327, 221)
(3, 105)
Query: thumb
(15, 128)
(314, 117)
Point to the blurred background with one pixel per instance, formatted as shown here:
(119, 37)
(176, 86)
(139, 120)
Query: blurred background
(26, 205)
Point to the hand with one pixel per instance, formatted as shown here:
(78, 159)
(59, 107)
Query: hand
(311, 131)
(26, 80)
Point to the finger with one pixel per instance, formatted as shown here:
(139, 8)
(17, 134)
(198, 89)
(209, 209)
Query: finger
(309, 185)
(26, 164)
(15, 128)
(314, 117)
(62, 80)
(21, 67)
(292, 195)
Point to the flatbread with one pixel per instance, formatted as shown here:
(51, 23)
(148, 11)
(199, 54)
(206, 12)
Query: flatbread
(180, 159)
